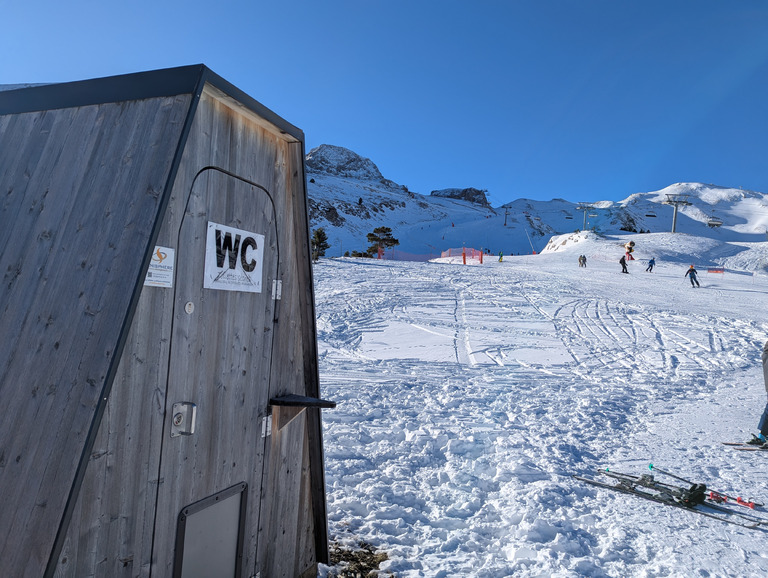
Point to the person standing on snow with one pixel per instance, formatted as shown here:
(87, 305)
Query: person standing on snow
(761, 439)
(692, 273)
(651, 263)
(623, 262)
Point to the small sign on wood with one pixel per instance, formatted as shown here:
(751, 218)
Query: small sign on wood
(234, 259)
(160, 272)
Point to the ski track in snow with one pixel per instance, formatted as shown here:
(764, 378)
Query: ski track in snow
(467, 396)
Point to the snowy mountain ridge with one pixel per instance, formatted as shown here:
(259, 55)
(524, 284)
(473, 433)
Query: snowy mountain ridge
(349, 197)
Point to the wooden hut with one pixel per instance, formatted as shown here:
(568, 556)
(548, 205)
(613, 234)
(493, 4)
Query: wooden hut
(158, 365)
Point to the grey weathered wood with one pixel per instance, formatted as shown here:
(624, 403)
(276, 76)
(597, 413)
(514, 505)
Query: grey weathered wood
(220, 361)
(85, 194)
(287, 511)
(297, 182)
(65, 301)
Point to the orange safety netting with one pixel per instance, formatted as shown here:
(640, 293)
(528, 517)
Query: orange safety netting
(469, 252)
(465, 253)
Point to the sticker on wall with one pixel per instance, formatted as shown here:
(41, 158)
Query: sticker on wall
(234, 259)
(160, 272)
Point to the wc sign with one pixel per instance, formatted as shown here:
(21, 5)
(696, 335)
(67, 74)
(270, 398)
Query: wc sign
(233, 259)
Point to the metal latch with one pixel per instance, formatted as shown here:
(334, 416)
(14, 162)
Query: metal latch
(183, 421)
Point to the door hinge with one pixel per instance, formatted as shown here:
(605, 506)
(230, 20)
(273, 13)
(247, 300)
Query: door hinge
(266, 425)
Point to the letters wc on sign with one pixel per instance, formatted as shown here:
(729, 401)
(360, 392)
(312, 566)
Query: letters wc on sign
(234, 259)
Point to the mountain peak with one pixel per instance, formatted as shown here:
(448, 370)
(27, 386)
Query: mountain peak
(341, 162)
(470, 194)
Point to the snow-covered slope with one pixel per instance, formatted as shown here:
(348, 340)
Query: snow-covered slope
(469, 395)
(671, 248)
(349, 198)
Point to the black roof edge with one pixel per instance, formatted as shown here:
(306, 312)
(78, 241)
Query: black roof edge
(134, 86)
(137, 86)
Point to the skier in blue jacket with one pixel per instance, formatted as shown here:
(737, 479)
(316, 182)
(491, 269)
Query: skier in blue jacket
(692, 273)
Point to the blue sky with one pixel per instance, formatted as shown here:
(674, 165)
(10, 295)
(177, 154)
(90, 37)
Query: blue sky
(584, 100)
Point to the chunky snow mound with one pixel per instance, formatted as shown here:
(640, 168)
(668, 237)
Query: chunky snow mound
(468, 396)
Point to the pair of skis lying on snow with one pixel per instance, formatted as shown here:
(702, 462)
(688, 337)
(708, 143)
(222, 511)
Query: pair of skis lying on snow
(694, 498)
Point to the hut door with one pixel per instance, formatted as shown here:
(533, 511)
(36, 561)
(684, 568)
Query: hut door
(227, 260)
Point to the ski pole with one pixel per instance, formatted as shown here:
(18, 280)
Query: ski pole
(714, 495)
(655, 469)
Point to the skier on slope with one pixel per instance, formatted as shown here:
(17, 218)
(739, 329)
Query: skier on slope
(761, 439)
(623, 262)
(691, 272)
(629, 247)
(651, 263)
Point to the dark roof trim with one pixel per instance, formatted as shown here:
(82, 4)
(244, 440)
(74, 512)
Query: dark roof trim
(137, 86)
(157, 83)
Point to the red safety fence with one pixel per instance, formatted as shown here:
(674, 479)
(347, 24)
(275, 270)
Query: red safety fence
(466, 253)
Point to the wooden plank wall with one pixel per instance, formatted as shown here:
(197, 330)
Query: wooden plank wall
(112, 529)
(219, 359)
(306, 307)
(287, 532)
(80, 193)
(213, 141)
(288, 513)
(226, 137)
(295, 371)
